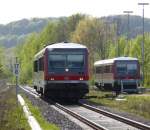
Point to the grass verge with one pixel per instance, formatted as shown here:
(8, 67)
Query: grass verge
(37, 114)
(136, 104)
(11, 114)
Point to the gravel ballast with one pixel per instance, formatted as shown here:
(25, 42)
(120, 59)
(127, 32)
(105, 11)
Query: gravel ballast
(52, 115)
(121, 113)
(56, 117)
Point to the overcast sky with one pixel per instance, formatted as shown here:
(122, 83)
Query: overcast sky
(12, 10)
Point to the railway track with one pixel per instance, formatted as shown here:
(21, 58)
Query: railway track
(98, 119)
(119, 118)
(81, 118)
(95, 120)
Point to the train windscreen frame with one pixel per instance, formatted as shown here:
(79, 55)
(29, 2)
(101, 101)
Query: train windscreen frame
(73, 60)
(124, 68)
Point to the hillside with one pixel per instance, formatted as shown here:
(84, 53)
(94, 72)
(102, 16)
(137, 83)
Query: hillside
(14, 32)
(135, 24)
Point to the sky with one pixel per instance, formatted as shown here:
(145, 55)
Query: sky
(13, 10)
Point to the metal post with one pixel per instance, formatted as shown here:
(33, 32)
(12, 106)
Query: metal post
(142, 43)
(117, 29)
(128, 33)
(121, 87)
(16, 73)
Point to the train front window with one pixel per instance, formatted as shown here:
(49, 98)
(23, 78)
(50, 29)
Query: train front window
(75, 61)
(61, 61)
(57, 61)
(127, 68)
(121, 68)
(132, 68)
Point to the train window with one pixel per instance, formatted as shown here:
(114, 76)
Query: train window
(104, 69)
(121, 68)
(99, 69)
(57, 61)
(110, 69)
(35, 66)
(41, 64)
(132, 68)
(125, 68)
(107, 69)
(75, 61)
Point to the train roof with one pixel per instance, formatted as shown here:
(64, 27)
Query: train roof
(111, 61)
(66, 45)
(61, 46)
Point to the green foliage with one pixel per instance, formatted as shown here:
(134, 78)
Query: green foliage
(26, 54)
(72, 23)
(12, 116)
(97, 34)
(94, 34)
(1, 59)
(4, 70)
(135, 51)
(15, 32)
(54, 32)
(122, 46)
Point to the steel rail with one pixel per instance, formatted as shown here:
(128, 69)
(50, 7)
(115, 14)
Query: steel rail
(81, 118)
(77, 116)
(106, 113)
(117, 117)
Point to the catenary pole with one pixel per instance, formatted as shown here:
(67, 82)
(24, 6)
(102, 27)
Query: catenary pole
(128, 33)
(142, 43)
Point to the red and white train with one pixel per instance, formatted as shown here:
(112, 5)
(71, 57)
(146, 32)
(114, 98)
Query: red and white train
(118, 74)
(61, 71)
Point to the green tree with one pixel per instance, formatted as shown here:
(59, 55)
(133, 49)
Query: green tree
(135, 51)
(93, 33)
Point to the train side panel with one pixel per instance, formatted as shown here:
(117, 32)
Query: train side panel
(39, 74)
(104, 77)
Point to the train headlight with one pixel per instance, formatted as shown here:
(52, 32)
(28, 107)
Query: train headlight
(52, 79)
(80, 78)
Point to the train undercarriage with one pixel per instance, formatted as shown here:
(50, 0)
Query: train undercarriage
(63, 91)
(120, 86)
